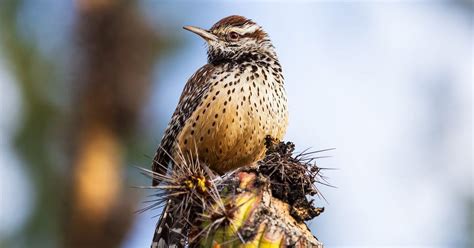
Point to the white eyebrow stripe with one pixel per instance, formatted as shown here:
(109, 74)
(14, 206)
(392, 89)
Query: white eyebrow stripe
(245, 30)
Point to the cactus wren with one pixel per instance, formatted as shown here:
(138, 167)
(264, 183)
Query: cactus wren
(230, 104)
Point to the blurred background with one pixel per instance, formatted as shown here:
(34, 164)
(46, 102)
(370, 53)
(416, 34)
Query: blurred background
(88, 86)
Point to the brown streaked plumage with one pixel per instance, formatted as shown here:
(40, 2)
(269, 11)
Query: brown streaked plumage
(238, 21)
(232, 21)
(228, 106)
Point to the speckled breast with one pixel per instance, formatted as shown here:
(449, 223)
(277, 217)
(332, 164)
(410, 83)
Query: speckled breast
(243, 105)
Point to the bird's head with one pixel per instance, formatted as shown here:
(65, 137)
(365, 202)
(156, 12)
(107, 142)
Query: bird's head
(234, 37)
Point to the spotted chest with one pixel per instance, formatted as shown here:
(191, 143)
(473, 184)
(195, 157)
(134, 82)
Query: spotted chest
(243, 105)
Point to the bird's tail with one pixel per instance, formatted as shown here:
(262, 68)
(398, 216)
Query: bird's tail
(167, 232)
(163, 227)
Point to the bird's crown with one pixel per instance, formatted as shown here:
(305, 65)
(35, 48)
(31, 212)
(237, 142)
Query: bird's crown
(233, 28)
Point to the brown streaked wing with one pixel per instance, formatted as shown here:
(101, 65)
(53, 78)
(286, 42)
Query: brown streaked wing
(193, 92)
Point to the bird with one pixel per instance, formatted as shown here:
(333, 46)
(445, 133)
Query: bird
(227, 108)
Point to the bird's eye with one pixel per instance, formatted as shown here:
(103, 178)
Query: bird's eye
(233, 36)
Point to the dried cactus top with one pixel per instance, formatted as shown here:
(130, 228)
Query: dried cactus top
(272, 196)
(292, 178)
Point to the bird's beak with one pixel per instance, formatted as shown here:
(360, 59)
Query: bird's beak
(208, 36)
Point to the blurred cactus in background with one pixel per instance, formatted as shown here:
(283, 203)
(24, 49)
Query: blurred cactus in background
(115, 59)
(75, 149)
